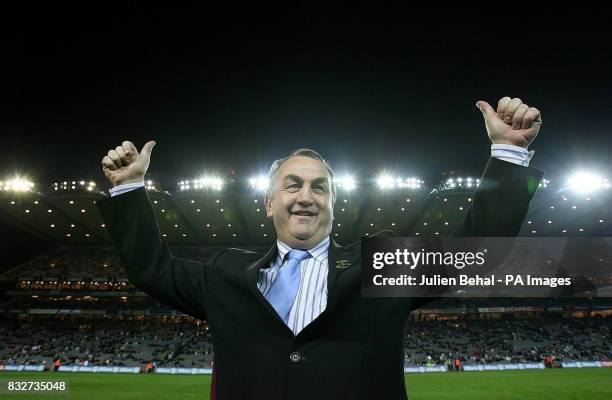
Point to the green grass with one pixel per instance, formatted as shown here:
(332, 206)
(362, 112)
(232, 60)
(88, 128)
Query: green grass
(574, 384)
(557, 384)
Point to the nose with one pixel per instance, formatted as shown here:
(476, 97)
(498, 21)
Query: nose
(304, 197)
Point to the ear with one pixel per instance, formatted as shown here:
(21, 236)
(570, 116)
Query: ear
(268, 204)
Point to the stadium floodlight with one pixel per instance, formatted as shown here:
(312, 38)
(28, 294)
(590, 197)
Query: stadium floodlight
(205, 182)
(410, 183)
(460, 183)
(386, 181)
(89, 186)
(259, 182)
(346, 183)
(544, 183)
(587, 182)
(17, 184)
(150, 185)
(74, 185)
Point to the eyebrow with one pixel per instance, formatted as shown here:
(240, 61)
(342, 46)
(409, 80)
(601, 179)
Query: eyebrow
(300, 180)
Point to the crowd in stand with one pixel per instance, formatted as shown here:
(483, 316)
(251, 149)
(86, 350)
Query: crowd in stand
(108, 304)
(184, 342)
(86, 276)
(170, 342)
(508, 341)
(88, 263)
(73, 263)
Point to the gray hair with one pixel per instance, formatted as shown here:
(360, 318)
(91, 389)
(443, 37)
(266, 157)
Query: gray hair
(304, 152)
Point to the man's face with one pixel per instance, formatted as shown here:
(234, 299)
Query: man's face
(301, 204)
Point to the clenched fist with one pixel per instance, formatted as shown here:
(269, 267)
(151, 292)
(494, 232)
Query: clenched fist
(125, 164)
(513, 123)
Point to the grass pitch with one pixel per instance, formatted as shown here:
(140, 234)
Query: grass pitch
(559, 384)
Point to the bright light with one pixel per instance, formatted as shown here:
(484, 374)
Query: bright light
(206, 182)
(346, 182)
(461, 182)
(17, 184)
(150, 185)
(259, 183)
(586, 182)
(385, 181)
(72, 185)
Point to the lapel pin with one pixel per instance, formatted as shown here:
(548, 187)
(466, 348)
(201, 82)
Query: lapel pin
(342, 264)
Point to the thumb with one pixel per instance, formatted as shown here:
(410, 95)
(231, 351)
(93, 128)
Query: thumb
(486, 109)
(147, 149)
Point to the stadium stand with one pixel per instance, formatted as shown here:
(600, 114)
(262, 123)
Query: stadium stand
(75, 303)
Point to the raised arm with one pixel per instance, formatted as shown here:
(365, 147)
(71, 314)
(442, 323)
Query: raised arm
(131, 222)
(502, 200)
(508, 184)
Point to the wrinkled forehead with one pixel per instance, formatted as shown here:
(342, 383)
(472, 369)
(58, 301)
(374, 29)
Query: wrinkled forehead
(305, 168)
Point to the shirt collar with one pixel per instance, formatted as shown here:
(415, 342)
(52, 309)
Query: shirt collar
(318, 252)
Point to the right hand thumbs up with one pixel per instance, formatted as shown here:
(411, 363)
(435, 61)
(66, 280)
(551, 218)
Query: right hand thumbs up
(125, 164)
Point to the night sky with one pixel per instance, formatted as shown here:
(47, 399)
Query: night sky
(225, 97)
(228, 96)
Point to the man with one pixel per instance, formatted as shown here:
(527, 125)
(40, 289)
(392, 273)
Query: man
(292, 324)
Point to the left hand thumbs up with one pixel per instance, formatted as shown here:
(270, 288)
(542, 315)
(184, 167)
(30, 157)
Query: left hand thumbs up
(513, 123)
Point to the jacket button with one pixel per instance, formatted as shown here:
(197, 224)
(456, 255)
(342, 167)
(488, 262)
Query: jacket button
(295, 357)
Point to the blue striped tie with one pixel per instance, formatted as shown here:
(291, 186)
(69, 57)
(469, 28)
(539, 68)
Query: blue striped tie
(286, 284)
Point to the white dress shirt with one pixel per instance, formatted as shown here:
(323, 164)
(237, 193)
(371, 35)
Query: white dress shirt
(311, 298)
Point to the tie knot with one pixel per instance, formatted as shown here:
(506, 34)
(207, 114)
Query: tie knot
(298, 255)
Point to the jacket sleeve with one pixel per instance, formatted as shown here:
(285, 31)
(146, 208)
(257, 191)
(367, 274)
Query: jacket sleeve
(180, 283)
(499, 205)
(501, 201)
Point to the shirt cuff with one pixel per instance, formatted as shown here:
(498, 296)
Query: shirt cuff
(514, 154)
(125, 187)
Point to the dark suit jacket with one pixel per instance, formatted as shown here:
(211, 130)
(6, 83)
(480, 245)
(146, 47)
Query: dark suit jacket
(353, 350)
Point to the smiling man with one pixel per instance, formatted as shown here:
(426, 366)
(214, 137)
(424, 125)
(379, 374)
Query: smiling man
(291, 324)
(300, 199)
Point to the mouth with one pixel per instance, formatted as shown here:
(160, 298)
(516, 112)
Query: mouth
(303, 214)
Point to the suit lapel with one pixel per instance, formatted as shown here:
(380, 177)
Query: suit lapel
(251, 274)
(252, 271)
(339, 261)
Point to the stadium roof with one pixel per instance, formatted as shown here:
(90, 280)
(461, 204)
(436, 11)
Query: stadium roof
(66, 211)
